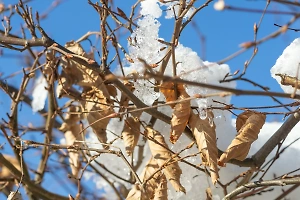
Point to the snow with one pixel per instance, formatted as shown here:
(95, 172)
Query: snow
(151, 7)
(190, 67)
(173, 7)
(39, 94)
(288, 64)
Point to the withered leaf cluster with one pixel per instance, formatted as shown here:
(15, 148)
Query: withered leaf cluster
(163, 164)
(95, 103)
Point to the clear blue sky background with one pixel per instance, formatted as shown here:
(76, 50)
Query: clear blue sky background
(224, 31)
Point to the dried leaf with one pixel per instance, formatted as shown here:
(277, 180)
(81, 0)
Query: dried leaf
(164, 159)
(2, 7)
(151, 185)
(289, 80)
(121, 13)
(209, 195)
(205, 135)
(73, 135)
(124, 99)
(98, 108)
(161, 192)
(180, 116)
(136, 194)
(5, 172)
(241, 119)
(79, 74)
(97, 104)
(112, 90)
(248, 133)
(150, 169)
(168, 89)
(131, 133)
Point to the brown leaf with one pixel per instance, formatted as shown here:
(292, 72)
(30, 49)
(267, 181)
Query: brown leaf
(124, 99)
(73, 135)
(112, 90)
(168, 89)
(205, 135)
(180, 116)
(241, 119)
(150, 169)
(131, 133)
(248, 133)
(152, 184)
(289, 80)
(161, 192)
(98, 108)
(5, 172)
(136, 194)
(209, 195)
(79, 74)
(164, 159)
(121, 13)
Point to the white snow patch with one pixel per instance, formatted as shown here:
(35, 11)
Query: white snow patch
(151, 7)
(288, 64)
(173, 7)
(39, 94)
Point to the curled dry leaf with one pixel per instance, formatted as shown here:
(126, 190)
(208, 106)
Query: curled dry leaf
(131, 133)
(79, 74)
(98, 108)
(164, 158)
(181, 111)
(168, 89)
(73, 136)
(289, 80)
(247, 134)
(150, 170)
(205, 135)
(180, 116)
(241, 119)
(5, 172)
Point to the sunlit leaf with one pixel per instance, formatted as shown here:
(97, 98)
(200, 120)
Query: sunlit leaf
(180, 116)
(73, 136)
(163, 157)
(131, 133)
(205, 135)
(247, 134)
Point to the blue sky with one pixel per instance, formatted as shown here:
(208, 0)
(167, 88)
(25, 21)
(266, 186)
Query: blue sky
(224, 31)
